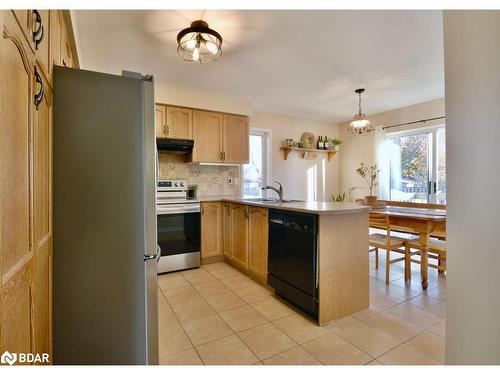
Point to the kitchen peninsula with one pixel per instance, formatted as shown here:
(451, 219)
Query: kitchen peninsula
(239, 230)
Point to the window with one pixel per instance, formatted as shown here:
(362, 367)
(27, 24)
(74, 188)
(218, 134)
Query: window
(417, 163)
(256, 171)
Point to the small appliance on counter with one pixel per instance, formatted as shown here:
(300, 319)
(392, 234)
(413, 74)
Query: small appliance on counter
(178, 219)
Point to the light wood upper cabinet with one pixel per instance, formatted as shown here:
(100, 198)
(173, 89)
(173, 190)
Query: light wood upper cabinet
(55, 39)
(235, 139)
(66, 52)
(258, 241)
(179, 122)
(211, 229)
(227, 236)
(42, 50)
(239, 228)
(207, 135)
(161, 121)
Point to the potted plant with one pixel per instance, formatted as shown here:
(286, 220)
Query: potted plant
(369, 174)
(336, 143)
(192, 191)
(338, 198)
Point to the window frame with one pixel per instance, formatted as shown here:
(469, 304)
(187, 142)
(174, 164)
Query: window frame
(266, 157)
(432, 161)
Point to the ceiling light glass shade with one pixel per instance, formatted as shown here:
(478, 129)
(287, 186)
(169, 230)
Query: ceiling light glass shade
(199, 43)
(360, 124)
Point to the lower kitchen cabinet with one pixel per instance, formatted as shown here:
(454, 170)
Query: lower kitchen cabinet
(227, 229)
(258, 230)
(211, 230)
(239, 223)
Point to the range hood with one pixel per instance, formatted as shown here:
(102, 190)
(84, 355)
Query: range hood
(176, 146)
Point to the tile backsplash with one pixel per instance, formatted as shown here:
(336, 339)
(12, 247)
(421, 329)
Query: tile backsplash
(211, 179)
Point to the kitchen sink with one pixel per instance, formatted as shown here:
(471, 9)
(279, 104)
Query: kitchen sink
(271, 200)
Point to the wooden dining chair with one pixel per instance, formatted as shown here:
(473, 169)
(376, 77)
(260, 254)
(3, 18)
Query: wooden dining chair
(436, 250)
(388, 242)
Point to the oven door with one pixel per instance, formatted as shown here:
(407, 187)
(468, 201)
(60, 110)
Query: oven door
(178, 230)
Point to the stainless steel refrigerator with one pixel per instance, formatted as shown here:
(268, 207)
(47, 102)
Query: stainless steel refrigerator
(105, 252)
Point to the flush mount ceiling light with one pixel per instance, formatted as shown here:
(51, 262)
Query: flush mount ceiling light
(360, 123)
(199, 43)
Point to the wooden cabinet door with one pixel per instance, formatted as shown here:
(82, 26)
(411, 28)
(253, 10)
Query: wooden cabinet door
(42, 50)
(66, 53)
(211, 229)
(160, 121)
(25, 19)
(227, 230)
(55, 40)
(17, 310)
(235, 138)
(207, 129)
(258, 230)
(239, 222)
(179, 122)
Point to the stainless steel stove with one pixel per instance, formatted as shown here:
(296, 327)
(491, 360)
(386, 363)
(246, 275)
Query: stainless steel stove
(178, 226)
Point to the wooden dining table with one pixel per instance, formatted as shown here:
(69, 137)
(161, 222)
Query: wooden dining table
(422, 221)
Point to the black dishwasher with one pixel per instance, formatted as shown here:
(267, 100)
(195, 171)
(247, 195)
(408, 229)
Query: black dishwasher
(292, 259)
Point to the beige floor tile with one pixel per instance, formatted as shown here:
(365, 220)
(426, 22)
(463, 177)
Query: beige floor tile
(193, 309)
(405, 355)
(166, 316)
(238, 282)
(206, 329)
(381, 301)
(430, 344)
(295, 356)
(215, 266)
(224, 273)
(197, 276)
(344, 322)
(369, 339)
(172, 339)
(330, 349)
(439, 328)
(253, 294)
(436, 293)
(211, 288)
(171, 281)
(374, 363)
(299, 328)
(242, 318)
(266, 340)
(395, 292)
(181, 295)
(273, 309)
(379, 274)
(225, 301)
(431, 305)
(415, 315)
(400, 329)
(187, 357)
(229, 350)
(363, 314)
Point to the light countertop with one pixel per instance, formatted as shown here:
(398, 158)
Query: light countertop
(312, 207)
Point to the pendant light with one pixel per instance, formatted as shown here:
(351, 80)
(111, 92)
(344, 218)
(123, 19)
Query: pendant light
(199, 43)
(360, 124)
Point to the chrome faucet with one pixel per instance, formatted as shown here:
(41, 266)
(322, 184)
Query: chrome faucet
(278, 190)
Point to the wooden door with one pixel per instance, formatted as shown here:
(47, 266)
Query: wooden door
(207, 134)
(17, 289)
(235, 138)
(160, 121)
(55, 40)
(211, 229)
(179, 122)
(239, 213)
(258, 230)
(227, 230)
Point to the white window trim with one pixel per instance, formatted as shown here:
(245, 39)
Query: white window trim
(267, 151)
(433, 169)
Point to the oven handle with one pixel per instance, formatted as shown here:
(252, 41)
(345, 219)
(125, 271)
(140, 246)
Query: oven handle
(180, 209)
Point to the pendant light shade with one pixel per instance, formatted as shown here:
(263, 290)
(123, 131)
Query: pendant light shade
(199, 43)
(360, 123)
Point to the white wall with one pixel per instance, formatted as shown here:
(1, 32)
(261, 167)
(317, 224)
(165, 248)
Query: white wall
(472, 75)
(300, 177)
(358, 148)
(168, 94)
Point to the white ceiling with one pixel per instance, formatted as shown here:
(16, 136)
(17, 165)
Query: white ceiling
(302, 63)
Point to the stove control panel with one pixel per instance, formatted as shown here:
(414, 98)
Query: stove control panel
(171, 185)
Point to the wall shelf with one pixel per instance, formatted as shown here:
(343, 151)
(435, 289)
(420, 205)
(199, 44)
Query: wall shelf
(307, 152)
